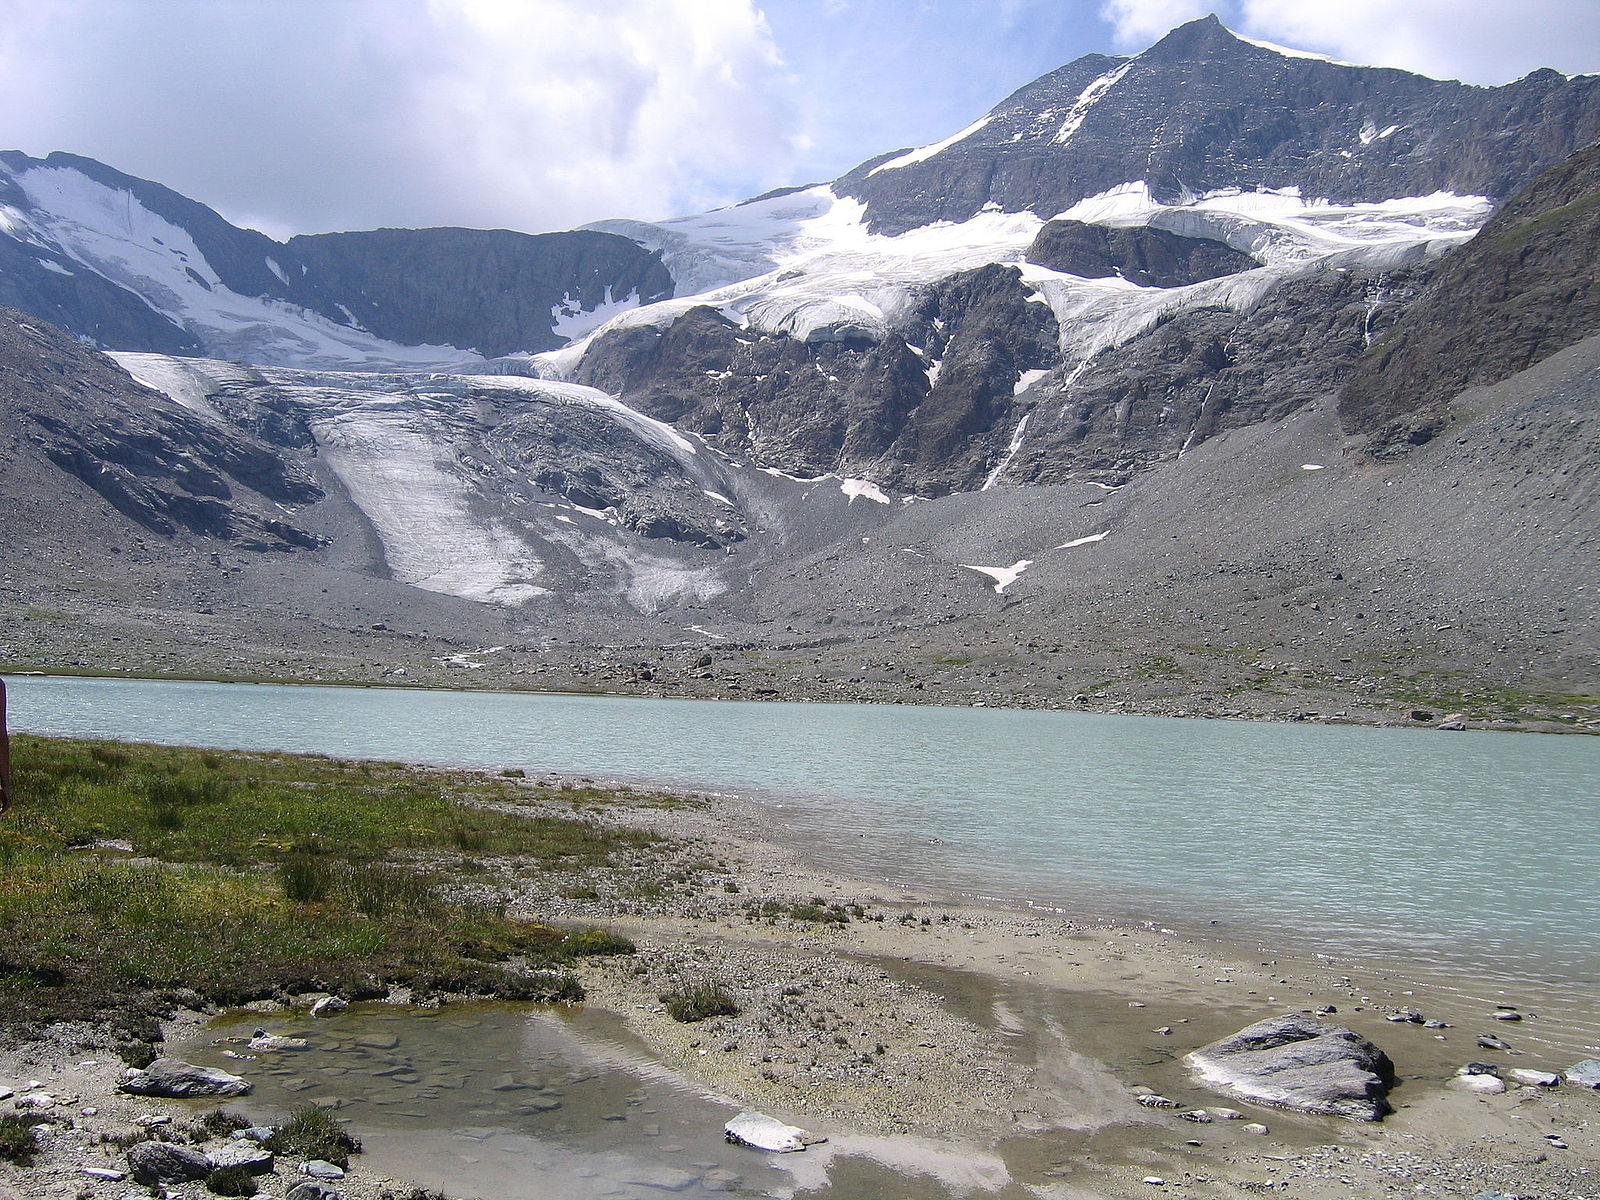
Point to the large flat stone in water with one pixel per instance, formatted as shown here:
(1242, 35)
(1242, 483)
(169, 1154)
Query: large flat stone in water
(1300, 1063)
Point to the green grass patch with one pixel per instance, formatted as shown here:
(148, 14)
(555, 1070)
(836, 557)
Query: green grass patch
(262, 875)
(311, 1132)
(16, 1139)
(699, 1002)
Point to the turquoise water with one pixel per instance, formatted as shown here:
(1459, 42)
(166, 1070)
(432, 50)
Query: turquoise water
(1469, 849)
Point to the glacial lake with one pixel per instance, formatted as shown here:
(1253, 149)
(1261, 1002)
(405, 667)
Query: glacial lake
(1461, 850)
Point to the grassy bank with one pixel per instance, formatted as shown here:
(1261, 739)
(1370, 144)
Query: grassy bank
(129, 873)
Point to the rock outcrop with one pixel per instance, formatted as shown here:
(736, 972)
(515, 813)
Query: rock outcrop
(1300, 1063)
(1139, 254)
(493, 291)
(167, 467)
(1525, 287)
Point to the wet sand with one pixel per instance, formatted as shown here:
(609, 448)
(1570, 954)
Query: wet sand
(1030, 1034)
(945, 1050)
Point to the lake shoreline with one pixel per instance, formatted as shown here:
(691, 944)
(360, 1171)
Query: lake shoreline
(1348, 710)
(1018, 1037)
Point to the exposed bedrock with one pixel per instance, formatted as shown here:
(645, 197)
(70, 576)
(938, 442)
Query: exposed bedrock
(1142, 255)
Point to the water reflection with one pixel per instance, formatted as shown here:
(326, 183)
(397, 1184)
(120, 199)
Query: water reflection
(504, 1102)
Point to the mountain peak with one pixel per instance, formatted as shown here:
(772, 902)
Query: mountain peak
(1204, 37)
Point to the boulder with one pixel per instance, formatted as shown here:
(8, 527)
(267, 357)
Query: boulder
(1487, 1085)
(314, 1191)
(329, 1006)
(1297, 1062)
(761, 1132)
(1584, 1074)
(154, 1163)
(172, 1078)
(252, 1157)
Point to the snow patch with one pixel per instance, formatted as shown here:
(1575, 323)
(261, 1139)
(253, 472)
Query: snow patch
(1003, 577)
(913, 157)
(1312, 467)
(56, 267)
(1011, 451)
(863, 488)
(1087, 99)
(110, 233)
(1026, 380)
(1084, 541)
(570, 320)
(1291, 52)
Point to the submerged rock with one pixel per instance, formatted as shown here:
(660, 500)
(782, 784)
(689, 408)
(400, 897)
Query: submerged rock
(761, 1132)
(172, 1078)
(1297, 1062)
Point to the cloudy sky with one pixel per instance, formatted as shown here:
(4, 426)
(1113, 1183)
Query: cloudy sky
(308, 115)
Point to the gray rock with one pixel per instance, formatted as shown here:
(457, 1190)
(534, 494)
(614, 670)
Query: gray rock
(319, 1169)
(152, 1163)
(169, 1077)
(1486, 1042)
(1255, 1127)
(1297, 1062)
(1529, 1078)
(1488, 1085)
(314, 1191)
(1584, 1074)
(329, 1006)
(246, 1154)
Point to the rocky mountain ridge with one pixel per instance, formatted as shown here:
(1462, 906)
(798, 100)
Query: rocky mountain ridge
(1204, 109)
(130, 265)
(1015, 454)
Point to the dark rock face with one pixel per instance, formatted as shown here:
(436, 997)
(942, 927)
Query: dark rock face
(1208, 371)
(1525, 287)
(924, 409)
(1300, 1063)
(1150, 257)
(1203, 109)
(487, 290)
(159, 464)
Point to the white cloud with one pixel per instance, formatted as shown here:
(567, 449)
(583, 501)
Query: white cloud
(1481, 42)
(1137, 23)
(302, 114)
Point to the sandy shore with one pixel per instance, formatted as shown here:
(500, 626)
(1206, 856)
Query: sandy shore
(1000, 1052)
